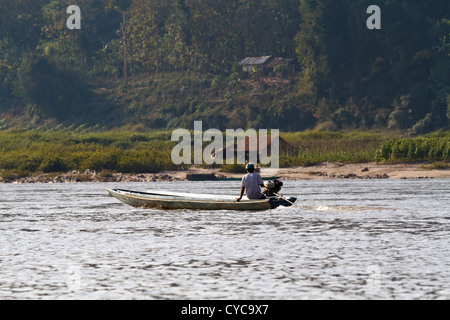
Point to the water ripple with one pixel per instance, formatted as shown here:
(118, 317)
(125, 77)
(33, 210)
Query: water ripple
(343, 240)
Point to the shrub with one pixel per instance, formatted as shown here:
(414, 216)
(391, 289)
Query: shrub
(53, 165)
(417, 149)
(233, 168)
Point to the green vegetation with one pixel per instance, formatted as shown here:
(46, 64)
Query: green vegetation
(24, 153)
(27, 152)
(317, 147)
(178, 62)
(433, 148)
(233, 168)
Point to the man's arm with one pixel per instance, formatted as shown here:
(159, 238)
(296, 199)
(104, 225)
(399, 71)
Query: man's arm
(242, 193)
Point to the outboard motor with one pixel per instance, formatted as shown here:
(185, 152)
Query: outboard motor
(272, 187)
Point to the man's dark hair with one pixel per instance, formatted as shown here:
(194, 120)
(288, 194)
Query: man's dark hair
(251, 169)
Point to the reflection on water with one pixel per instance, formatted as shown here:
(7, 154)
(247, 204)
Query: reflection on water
(344, 240)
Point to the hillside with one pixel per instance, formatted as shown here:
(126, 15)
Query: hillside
(177, 61)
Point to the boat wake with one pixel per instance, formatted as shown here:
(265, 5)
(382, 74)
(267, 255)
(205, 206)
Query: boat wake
(326, 208)
(283, 209)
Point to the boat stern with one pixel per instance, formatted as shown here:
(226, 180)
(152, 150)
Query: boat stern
(277, 202)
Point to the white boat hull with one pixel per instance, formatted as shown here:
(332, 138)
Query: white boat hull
(173, 201)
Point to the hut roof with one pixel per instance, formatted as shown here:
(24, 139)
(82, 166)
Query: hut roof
(255, 60)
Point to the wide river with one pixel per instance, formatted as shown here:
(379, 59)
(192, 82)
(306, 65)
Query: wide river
(346, 239)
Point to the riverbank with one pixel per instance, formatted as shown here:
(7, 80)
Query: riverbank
(67, 156)
(323, 171)
(366, 171)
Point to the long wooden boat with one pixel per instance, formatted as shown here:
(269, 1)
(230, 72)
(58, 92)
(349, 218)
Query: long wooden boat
(176, 200)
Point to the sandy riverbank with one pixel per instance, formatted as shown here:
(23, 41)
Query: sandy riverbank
(320, 172)
(365, 171)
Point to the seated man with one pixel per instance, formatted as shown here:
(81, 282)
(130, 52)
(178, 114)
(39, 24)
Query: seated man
(251, 184)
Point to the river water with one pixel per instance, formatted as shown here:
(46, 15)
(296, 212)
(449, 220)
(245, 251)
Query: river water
(346, 239)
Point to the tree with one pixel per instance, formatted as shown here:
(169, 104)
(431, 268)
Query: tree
(323, 45)
(146, 25)
(49, 90)
(448, 108)
(21, 21)
(122, 6)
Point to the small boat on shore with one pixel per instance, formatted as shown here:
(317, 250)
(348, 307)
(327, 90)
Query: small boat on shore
(175, 200)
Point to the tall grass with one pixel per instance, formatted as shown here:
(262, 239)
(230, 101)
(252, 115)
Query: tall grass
(28, 152)
(24, 153)
(316, 147)
(417, 149)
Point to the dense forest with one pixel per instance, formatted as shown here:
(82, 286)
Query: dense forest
(161, 64)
